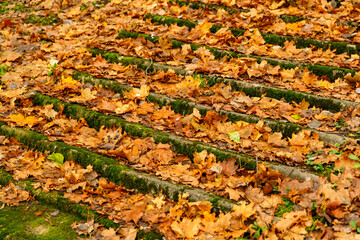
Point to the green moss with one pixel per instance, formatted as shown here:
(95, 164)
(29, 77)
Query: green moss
(109, 84)
(206, 6)
(289, 96)
(292, 18)
(168, 20)
(47, 20)
(148, 236)
(20, 222)
(200, 5)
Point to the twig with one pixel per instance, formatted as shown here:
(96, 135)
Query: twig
(257, 171)
(146, 73)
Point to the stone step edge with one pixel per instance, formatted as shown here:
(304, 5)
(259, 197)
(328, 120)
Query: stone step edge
(184, 106)
(270, 38)
(285, 17)
(332, 73)
(55, 198)
(178, 144)
(251, 89)
(112, 170)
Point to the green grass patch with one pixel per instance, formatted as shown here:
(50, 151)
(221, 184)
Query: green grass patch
(3, 8)
(284, 208)
(46, 20)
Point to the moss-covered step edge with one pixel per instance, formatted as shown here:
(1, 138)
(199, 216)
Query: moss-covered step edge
(286, 18)
(178, 144)
(56, 199)
(107, 167)
(184, 107)
(250, 89)
(320, 70)
(270, 38)
(200, 5)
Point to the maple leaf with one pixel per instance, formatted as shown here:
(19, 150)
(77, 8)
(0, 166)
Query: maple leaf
(353, 79)
(49, 111)
(187, 228)
(129, 233)
(136, 213)
(205, 28)
(20, 120)
(12, 93)
(233, 193)
(137, 93)
(105, 184)
(244, 211)
(11, 195)
(229, 167)
(276, 140)
(107, 106)
(203, 159)
(159, 201)
(68, 80)
(290, 219)
(298, 139)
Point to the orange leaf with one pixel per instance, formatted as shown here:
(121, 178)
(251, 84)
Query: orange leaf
(186, 228)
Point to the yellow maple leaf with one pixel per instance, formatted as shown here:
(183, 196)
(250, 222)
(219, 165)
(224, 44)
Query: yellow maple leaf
(296, 27)
(68, 80)
(325, 84)
(244, 211)
(159, 201)
(205, 27)
(20, 120)
(137, 93)
(187, 228)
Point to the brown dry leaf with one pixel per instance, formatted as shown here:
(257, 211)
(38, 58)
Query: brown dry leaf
(276, 140)
(12, 93)
(110, 234)
(234, 194)
(108, 106)
(86, 95)
(353, 79)
(129, 233)
(145, 108)
(203, 159)
(289, 220)
(229, 167)
(10, 56)
(136, 213)
(298, 139)
(11, 195)
(105, 184)
(49, 111)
